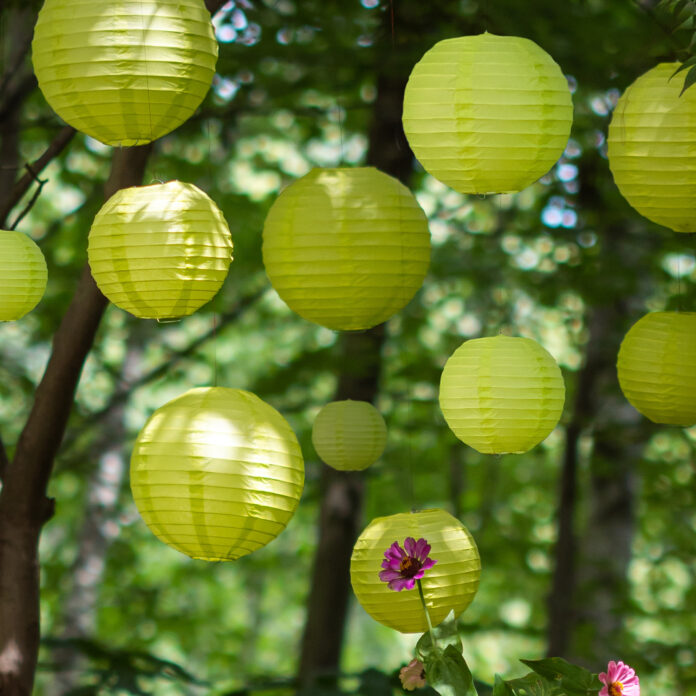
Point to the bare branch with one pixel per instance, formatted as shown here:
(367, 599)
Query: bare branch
(124, 390)
(41, 183)
(22, 186)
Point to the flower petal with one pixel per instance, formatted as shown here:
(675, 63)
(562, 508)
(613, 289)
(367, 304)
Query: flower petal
(391, 563)
(418, 550)
(395, 552)
(410, 546)
(603, 678)
(389, 575)
(604, 691)
(399, 584)
(428, 563)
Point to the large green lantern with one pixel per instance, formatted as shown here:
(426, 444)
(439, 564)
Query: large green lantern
(487, 113)
(651, 139)
(216, 473)
(346, 248)
(450, 585)
(23, 275)
(657, 367)
(501, 394)
(124, 71)
(160, 251)
(349, 435)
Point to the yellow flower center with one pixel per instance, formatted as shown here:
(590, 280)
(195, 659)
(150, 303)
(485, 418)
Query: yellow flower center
(409, 566)
(616, 689)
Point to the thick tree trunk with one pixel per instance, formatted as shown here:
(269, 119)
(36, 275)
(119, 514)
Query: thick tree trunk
(561, 598)
(99, 529)
(24, 507)
(340, 516)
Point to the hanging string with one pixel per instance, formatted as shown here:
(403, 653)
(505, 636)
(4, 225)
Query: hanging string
(340, 131)
(215, 362)
(679, 290)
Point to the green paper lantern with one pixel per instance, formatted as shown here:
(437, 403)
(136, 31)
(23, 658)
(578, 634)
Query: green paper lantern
(346, 248)
(487, 113)
(216, 473)
(657, 367)
(501, 394)
(23, 275)
(160, 251)
(651, 138)
(349, 435)
(124, 71)
(450, 585)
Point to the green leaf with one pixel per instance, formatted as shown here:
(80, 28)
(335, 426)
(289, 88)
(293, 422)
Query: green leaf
(570, 678)
(449, 674)
(686, 64)
(533, 685)
(501, 688)
(689, 80)
(445, 634)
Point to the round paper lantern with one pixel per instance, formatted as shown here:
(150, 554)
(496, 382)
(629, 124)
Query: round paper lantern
(23, 275)
(651, 138)
(124, 71)
(160, 251)
(657, 367)
(349, 435)
(487, 113)
(501, 394)
(346, 248)
(449, 585)
(216, 473)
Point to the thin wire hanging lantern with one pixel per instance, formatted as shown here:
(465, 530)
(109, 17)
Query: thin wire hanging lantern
(651, 138)
(349, 435)
(501, 394)
(487, 114)
(124, 72)
(450, 585)
(657, 367)
(346, 248)
(23, 275)
(216, 473)
(160, 251)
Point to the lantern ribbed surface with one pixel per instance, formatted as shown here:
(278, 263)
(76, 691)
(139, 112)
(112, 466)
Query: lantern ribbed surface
(216, 473)
(124, 71)
(160, 251)
(657, 367)
(487, 113)
(23, 275)
(652, 136)
(501, 394)
(349, 435)
(346, 248)
(450, 585)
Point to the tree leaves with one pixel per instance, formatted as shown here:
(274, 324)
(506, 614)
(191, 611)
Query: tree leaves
(446, 634)
(552, 676)
(449, 674)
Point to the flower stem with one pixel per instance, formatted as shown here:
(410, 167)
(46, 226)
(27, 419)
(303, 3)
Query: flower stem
(433, 640)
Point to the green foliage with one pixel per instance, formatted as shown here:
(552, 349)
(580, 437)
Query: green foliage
(295, 81)
(448, 673)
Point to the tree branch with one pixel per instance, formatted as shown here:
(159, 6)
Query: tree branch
(124, 390)
(34, 169)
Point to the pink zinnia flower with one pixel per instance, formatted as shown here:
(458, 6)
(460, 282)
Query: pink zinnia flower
(413, 675)
(402, 567)
(619, 680)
